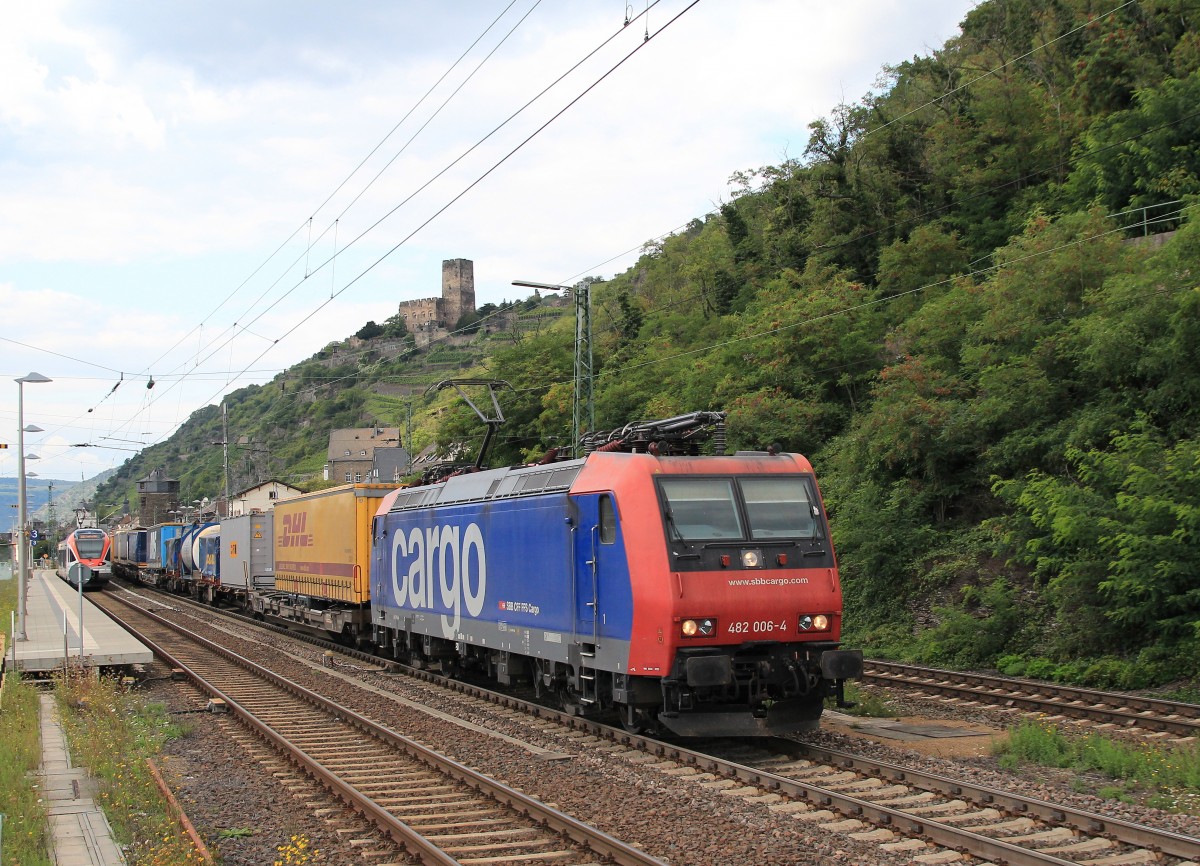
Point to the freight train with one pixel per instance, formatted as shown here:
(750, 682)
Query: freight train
(693, 593)
(84, 557)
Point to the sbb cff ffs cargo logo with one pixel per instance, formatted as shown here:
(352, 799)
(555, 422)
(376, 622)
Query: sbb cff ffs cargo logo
(293, 534)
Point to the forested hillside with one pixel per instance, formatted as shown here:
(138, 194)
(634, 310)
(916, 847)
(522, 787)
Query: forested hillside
(972, 302)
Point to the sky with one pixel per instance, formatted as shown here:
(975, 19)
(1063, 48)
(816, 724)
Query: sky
(199, 195)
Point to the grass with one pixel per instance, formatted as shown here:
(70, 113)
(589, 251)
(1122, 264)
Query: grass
(1165, 777)
(112, 731)
(25, 842)
(1184, 694)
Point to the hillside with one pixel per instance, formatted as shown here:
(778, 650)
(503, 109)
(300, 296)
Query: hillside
(972, 302)
(38, 491)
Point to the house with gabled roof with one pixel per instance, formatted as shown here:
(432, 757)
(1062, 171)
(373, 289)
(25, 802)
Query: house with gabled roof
(351, 455)
(260, 497)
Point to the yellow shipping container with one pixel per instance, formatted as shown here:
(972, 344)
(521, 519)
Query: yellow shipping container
(323, 542)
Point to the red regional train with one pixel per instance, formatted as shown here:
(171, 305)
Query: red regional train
(85, 554)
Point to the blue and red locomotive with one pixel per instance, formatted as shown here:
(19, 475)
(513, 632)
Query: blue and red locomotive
(695, 593)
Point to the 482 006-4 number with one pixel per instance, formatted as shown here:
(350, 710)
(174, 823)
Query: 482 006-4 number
(758, 626)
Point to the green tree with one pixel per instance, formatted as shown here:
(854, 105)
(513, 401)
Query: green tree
(369, 331)
(1145, 156)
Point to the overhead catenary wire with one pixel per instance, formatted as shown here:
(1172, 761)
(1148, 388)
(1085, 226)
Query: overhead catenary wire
(463, 192)
(456, 198)
(459, 159)
(311, 241)
(199, 327)
(482, 177)
(541, 93)
(825, 246)
(349, 176)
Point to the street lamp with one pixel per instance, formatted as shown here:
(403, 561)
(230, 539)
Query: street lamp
(583, 408)
(23, 568)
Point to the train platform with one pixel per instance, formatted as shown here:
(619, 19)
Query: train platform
(79, 831)
(51, 602)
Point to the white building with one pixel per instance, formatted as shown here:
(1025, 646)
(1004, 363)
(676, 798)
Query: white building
(261, 497)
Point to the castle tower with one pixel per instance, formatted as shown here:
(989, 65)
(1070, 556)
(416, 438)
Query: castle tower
(458, 289)
(157, 495)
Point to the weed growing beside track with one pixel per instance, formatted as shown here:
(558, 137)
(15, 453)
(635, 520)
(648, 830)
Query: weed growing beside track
(1160, 776)
(865, 703)
(112, 731)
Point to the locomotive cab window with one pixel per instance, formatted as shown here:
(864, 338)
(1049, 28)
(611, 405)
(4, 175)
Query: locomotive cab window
(89, 546)
(781, 508)
(608, 520)
(701, 509)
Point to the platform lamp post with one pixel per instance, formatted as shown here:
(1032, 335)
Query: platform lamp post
(23, 576)
(583, 407)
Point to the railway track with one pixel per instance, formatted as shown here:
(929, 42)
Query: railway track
(1028, 830)
(898, 808)
(1103, 708)
(437, 810)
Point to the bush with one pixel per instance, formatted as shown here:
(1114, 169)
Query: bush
(1011, 665)
(1040, 669)
(890, 641)
(975, 638)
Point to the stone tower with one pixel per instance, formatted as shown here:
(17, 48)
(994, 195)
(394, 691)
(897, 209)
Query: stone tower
(157, 495)
(458, 289)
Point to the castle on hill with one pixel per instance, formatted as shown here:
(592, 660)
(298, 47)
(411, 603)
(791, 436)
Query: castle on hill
(425, 316)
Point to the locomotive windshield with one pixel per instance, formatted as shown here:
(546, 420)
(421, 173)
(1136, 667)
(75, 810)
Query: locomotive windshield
(780, 508)
(90, 546)
(707, 509)
(702, 508)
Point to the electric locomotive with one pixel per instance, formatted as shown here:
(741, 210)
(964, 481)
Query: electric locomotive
(85, 556)
(699, 594)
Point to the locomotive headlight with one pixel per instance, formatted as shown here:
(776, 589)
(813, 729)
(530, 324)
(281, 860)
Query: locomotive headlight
(751, 559)
(820, 622)
(806, 623)
(705, 627)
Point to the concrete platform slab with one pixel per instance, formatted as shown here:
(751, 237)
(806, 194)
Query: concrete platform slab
(51, 602)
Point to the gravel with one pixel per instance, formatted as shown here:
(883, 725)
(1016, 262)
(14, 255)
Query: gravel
(241, 810)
